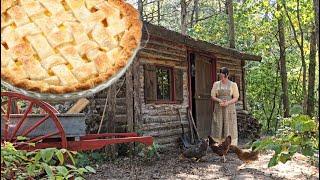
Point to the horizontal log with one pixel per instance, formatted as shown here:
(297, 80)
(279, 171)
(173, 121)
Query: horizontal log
(167, 45)
(229, 64)
(174, 64)
(167, 41)
(163, 47)
(148, 54)
(226, 58)
(162, 119)
(162, 54)
(167, 133)
(170, 139)
(150, 110)
(121, 110)
(159, 126)
(121, 118)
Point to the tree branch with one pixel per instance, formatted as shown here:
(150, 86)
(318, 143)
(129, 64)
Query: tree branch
(291, 23)
(201, 19)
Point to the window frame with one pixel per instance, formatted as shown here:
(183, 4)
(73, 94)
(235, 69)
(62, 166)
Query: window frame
(172, 99)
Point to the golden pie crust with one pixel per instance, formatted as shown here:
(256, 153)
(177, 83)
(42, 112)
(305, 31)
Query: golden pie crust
(63, 46)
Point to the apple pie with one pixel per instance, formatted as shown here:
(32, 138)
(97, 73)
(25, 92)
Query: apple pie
(62, 46)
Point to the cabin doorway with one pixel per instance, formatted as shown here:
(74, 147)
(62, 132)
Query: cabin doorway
(201, 77)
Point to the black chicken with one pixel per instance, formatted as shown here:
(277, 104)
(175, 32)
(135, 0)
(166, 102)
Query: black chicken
(196, 151)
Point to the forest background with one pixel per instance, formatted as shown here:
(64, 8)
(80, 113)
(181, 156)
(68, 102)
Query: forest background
(283, 32)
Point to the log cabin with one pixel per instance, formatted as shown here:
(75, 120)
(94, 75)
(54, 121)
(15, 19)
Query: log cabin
(170, 72)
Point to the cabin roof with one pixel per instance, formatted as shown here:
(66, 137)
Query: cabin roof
(196, 44)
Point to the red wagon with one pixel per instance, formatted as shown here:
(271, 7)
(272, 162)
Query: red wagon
(33, 124)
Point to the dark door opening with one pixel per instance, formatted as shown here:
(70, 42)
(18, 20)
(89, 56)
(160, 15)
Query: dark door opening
(202, 75)
(193, 80)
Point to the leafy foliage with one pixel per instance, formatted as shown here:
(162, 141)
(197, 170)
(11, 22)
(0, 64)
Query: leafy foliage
(149, 152)
(50, 163)
(297, 134)
(256, 31)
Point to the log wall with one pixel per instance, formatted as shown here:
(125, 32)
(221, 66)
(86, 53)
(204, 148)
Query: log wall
(161, 120)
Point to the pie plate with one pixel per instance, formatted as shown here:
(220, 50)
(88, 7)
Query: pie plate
(74, 95)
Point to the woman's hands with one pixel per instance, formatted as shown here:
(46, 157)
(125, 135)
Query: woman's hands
(224, 103)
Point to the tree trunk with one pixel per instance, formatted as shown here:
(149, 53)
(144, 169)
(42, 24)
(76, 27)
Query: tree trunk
(312, 67)
(219, 3)
(283, 68)
(316, 11)
(229, 7)
(183, 17)
(300, 45)
(159, 12)
(304, 66)
(196, 9)
(304, 79)
(140, 9)
(195, 13)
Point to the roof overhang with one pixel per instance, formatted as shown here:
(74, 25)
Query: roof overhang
(196, 44)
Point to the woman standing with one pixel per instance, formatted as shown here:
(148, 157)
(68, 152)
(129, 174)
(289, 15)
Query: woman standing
(225, 94)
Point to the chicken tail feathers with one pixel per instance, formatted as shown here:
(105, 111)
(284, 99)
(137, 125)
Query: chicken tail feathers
(245, 155)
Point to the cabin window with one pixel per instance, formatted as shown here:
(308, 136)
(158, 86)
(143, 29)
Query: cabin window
(164, 83)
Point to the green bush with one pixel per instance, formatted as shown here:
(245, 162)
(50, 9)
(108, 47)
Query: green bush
(50, 163)
(299, 134)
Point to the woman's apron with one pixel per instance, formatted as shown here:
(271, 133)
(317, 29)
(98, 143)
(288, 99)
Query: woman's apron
(224, 121)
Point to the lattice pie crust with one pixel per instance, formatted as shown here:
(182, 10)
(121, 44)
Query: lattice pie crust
(61, 46)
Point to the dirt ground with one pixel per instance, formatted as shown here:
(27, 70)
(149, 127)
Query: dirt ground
(169, 166)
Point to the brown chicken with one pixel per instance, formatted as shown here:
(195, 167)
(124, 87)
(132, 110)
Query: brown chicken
(220, 149)
(245, 155)
(196, 151)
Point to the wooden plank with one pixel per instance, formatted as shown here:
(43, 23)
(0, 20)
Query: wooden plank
(121, 110)
(150, 82)
(168, 44)
(155, 61)
(111, 107)
(78, 106)
(165, 133)
(146, 53)
(221, 57)
(164, 126)
(164, 40)
(228, 64)
(178, 85)
(165, 50)
(121, 118)
(164, 54)
(162, 119)
(110, 116)
(243, 86)
(136, 93)
(203, 84)
(129, 99)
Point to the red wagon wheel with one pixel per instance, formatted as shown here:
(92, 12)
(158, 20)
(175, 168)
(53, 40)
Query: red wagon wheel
(26, 120)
